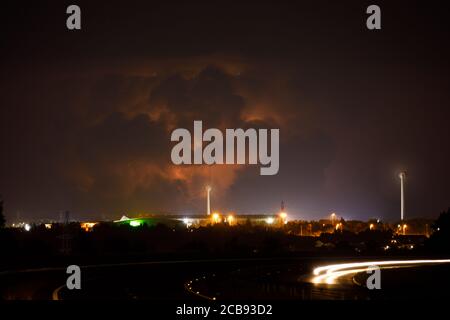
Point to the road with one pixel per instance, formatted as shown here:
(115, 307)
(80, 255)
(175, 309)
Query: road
(223, 279)
(142, 280)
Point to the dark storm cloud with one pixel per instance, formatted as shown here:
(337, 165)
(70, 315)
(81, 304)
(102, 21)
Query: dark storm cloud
(208, 96)
(119, 93)
(124, 139)
(126, 155)
(109, 150)
(113, 156)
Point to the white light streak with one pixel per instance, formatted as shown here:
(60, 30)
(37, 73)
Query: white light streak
(330, 273)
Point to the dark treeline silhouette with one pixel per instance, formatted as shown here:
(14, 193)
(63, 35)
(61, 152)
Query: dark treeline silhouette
(115, 242)
(2, 216)
(439, 241)
(109, 240)
(368, 241)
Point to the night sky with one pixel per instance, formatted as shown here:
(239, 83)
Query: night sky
(86, 116)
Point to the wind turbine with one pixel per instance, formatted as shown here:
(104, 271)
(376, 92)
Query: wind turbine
(208, 201)
(402, 176)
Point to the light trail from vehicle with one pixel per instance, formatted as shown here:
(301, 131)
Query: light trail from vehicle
(329, 274)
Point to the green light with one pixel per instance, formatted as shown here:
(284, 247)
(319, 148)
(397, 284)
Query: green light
(135, 223)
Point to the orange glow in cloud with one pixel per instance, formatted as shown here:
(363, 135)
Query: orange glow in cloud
(220, 177)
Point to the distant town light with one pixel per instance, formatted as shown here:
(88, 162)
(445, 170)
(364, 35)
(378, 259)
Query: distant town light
(333, 217)
(27, 227)
(269, 220)
(215, 217)
(187, 222)
(135, 223)
(88, 226)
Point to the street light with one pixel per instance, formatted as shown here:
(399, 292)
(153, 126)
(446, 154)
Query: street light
(333, 217)
(269, 220)
(216, 217)
(283, 216)
(187, 222)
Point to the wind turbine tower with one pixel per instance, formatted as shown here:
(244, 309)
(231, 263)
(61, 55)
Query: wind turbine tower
(402, 177)
(208, 201)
